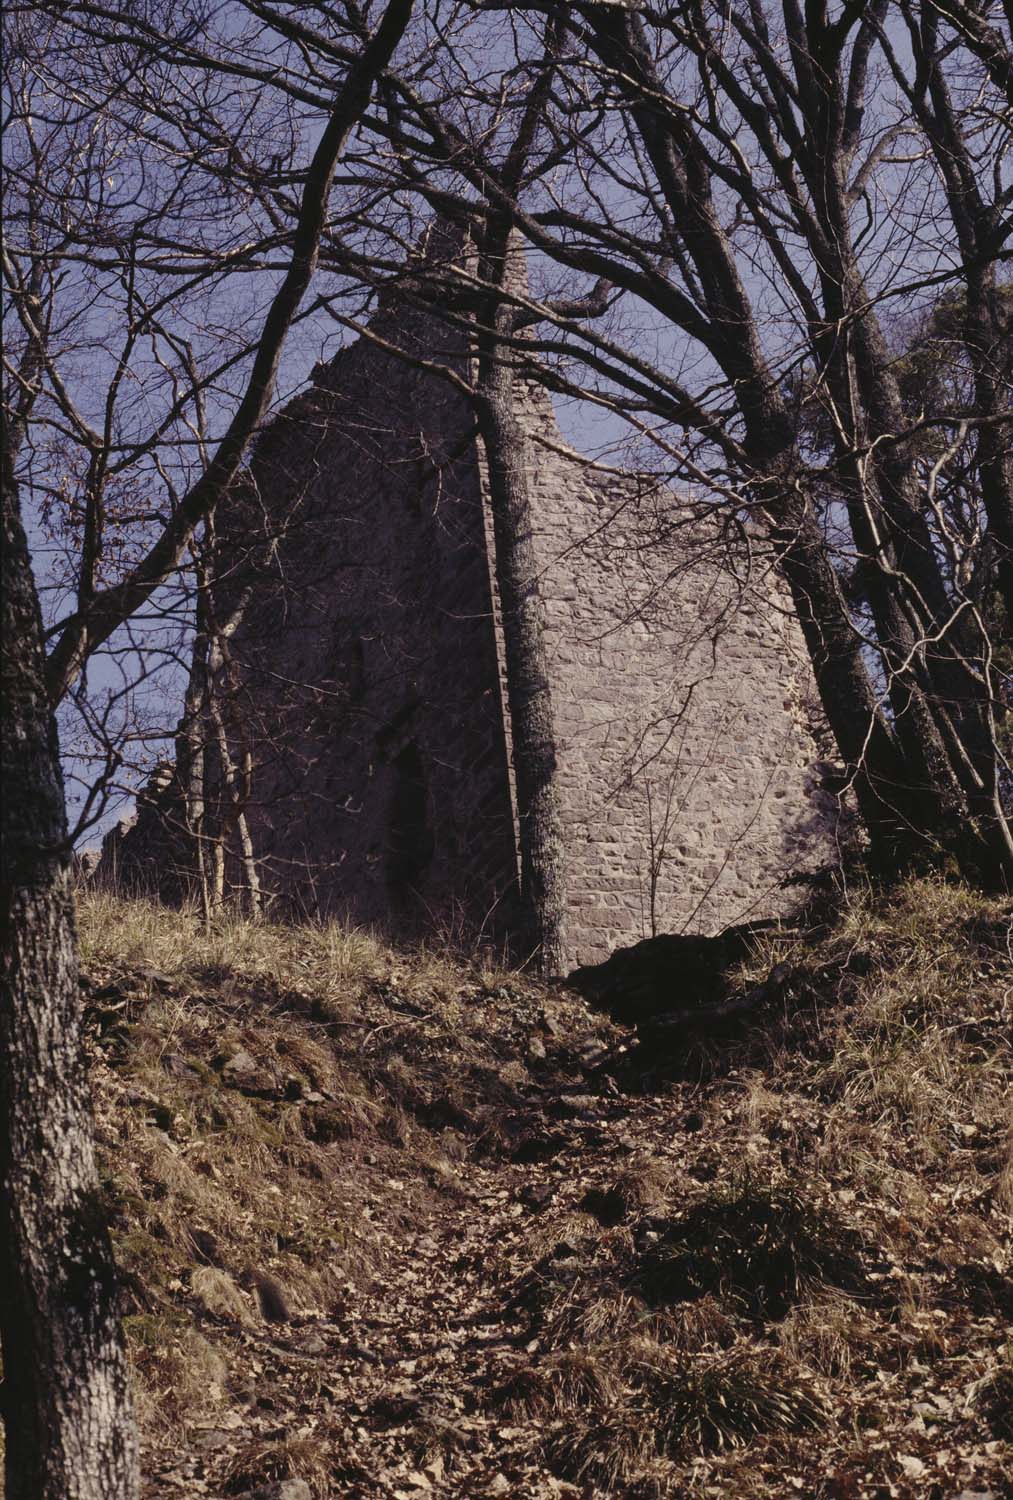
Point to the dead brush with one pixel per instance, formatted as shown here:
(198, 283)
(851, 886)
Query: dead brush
(723, 1401)
(609, 1449)
(261, 1462)
(578, 1380)
(180, 1377)
(600, 1317)
(758, 1248)
(825, 1330)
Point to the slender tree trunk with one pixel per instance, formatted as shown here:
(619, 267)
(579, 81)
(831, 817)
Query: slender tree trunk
(69, 1425)
(192, 752)
(528, 697)
(234, 795)
(234, 779)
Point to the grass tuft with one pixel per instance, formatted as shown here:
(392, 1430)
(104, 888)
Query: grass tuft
(577, 1380)
(723, 1402)
(759, 1247)
(218, 1294)
(610, 1451)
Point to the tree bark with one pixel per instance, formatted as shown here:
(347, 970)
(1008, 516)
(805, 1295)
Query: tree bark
(868, 746)
(528, 696)
(69, 1425)
(191, 752)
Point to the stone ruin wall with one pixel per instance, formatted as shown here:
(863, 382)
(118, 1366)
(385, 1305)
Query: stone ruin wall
(370, 675)
(688, 773)
(686, 770)
(372, 672)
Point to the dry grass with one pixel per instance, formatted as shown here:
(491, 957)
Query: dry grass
(575, 1380)
(295, 1457)
(327, 962)
(759, 1246)
(722, 1401)
(209, 1172)
(824, 1331)
(668, 1406)
(612, 1450)
(913, 998)
(690, 1319)
(361, 1064)
(992, 1395)
(219, 1295)
(880, 1092)
(180, 1373)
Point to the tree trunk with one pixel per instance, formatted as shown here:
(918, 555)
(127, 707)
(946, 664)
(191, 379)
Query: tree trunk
(191, 753)
(528, 698)
(868, 747)
(69, 1424)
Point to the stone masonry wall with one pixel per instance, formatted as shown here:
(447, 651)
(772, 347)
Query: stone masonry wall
(356, 567)
(686, 768)
(368, 658)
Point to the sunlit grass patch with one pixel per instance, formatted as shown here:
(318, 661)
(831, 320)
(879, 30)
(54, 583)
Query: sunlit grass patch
(326, 961)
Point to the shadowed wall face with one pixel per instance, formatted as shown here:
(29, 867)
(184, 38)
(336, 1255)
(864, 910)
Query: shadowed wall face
(368, 660)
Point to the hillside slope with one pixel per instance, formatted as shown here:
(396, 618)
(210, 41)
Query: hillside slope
(402, 1226)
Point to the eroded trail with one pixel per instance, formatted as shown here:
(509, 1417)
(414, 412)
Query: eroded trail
(419, 1374)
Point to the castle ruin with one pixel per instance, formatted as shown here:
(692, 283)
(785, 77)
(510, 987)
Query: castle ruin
(367, 672)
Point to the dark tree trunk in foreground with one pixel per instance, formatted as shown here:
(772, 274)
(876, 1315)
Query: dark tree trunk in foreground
(69, 1424)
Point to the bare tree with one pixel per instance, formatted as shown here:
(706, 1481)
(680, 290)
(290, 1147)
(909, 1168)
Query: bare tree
(746, 178)
(68, 1419)
(745, 184)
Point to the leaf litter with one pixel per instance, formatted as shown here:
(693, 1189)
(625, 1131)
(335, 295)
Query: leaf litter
(374, 1239)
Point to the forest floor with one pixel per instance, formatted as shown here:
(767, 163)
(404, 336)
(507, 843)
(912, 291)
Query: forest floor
(400, 1225)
